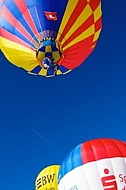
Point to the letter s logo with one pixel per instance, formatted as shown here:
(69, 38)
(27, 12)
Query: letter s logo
(109, 182)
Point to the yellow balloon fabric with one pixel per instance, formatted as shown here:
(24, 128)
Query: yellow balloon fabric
(47, 178)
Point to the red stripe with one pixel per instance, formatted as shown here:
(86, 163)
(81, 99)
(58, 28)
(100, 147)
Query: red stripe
(13, 38)
(24, 10)
(87, 152)
(81, 29)
(77, 11)
(102, 148)
(98, 24)
(76, 54)
(94, 4)
(2, 1)
(6, 14)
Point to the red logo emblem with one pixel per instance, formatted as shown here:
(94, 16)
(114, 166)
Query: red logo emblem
(51, 15)
(109, 182)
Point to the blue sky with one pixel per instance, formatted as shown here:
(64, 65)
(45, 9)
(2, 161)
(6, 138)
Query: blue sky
(42, 119)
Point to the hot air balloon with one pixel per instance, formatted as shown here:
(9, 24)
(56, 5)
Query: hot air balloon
(65, 30)
(98, 164)
(47, 178)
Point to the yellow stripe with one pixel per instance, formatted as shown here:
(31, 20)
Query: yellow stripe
(79, 21)
(22, 59)
(19, 55)
(96, 35)
(9, 44)
(0, 43)
(69, 9)
(83, 16)
(90, 31)
(97, 13)
(30, 66)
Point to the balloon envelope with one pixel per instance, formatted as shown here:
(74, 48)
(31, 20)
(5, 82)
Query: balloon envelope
(66, 30)
(47, 178)
(98, 164)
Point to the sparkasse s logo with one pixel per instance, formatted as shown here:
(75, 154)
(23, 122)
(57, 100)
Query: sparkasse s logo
(109, 181)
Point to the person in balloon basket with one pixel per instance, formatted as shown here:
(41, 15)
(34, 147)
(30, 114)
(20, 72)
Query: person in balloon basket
(49, 64)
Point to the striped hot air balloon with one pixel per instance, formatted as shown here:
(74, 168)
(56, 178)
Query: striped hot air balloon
(98, 164)
(66, 30)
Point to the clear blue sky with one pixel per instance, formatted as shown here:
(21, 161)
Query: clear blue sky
(88, 103)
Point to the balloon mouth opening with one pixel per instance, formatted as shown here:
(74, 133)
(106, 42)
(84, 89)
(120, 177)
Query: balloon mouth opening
(49, 47)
